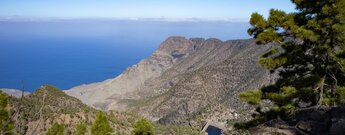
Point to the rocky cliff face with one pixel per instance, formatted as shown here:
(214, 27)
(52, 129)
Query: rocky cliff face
(171, 51)
(186, 81)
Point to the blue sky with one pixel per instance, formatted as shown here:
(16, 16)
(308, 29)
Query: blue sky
(207, 9)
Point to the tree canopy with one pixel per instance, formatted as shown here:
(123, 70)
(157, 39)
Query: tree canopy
(81, 129)
(6, 124)
(142, 127)
(308, 54)
(101, 126)
(55, 129)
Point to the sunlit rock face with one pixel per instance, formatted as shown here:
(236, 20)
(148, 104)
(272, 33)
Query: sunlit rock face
(182, 80)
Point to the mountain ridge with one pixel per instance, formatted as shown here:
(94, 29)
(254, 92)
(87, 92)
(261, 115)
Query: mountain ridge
(162, 59)
(185, 81)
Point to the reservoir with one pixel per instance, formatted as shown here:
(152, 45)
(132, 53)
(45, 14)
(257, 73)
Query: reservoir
(211, 130)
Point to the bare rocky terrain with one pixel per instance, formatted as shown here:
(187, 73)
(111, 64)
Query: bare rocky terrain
(185, 81)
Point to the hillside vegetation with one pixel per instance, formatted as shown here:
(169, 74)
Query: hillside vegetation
(48, 110)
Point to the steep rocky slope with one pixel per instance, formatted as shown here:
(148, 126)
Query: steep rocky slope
(170, 52)
(186, 81)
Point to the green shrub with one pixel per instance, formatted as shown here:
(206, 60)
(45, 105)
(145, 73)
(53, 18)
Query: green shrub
(55, 129)
(81, 129)
(252, 97)
(341, 94)
(142, 127)
(101, 125)
(5, 124)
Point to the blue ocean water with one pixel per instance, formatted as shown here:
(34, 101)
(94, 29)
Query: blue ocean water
(67, 53)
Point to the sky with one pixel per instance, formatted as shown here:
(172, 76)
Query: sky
(204, 9)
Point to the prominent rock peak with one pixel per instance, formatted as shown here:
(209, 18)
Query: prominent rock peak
(178, 47)
(213, 40)
(176, 38)
(174, 43)
(197, 39)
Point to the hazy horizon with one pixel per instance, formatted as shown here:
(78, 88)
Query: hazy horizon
(207, 9)
(107, 27)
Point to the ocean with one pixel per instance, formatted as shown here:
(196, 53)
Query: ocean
(67, 53)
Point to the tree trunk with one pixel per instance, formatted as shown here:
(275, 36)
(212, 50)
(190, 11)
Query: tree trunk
(321, 90)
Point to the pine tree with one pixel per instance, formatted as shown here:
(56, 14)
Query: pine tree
(101, 125)
(6, 124)
(55, 129)
(142, 127)
(81, 129)
(309, 56)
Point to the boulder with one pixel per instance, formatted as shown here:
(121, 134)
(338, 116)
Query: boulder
(271, 131)
(312, 127)
(338, 128)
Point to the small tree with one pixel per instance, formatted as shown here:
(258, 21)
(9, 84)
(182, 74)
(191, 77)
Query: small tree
(5, 123)
(142, 127)
(309, 56)
(101, 125)
(81, 129)
(55, 129)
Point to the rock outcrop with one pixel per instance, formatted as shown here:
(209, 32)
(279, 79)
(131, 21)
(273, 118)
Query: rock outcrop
(315, 121)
